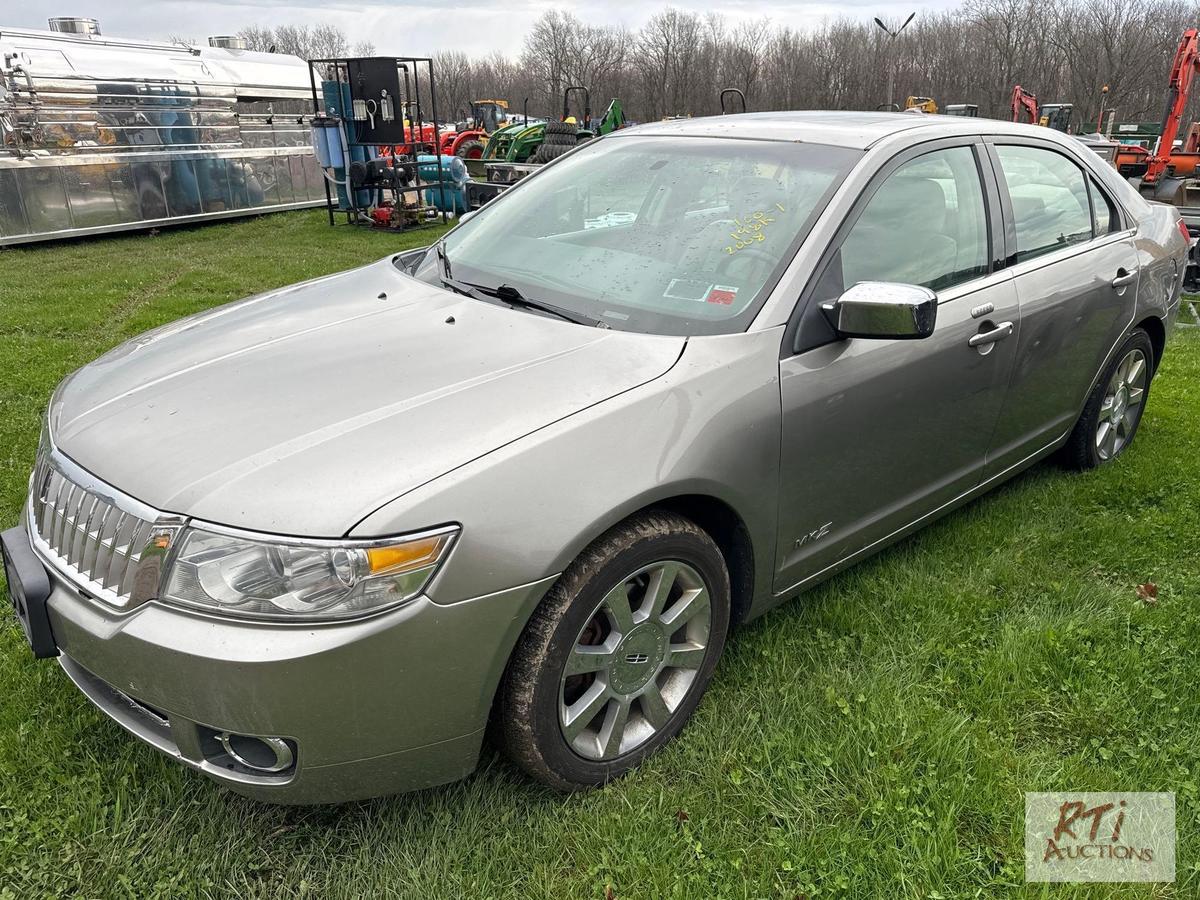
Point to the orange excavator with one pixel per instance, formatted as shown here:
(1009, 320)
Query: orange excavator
(1164, 162)
(1149, 169)
(1051, 115)
(1024, 101)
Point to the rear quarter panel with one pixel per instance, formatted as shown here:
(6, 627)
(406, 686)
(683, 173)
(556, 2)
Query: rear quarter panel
(1162, 259)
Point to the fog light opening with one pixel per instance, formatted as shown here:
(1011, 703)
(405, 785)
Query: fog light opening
(261, 754)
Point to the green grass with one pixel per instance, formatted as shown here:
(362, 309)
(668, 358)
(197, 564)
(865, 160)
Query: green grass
(872, 739)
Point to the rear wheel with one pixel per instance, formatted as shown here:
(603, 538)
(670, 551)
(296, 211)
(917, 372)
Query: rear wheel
(1114, 409)
(618, 654)
(470, 150)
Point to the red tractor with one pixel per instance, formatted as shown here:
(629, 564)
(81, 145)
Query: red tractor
(486, 117)
(417, 140)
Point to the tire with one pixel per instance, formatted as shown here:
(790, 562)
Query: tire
(559, 140)
(547, 152)
(561, 128)
(634, 678)
(470, 150)
(1114, 408)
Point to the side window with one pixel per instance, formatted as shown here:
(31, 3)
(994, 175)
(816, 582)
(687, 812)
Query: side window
(1104, 212)
(926, 224)
(1049, 199)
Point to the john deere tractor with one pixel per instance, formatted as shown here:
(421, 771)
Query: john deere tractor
(544, 141)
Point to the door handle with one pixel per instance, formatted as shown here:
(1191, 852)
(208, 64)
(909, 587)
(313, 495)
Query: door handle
(1124, 278)
(999, 333)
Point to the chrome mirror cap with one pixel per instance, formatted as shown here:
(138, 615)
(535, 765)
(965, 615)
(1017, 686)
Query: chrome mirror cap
(883, 310)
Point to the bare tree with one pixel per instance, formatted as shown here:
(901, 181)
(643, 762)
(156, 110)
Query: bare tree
(306, 41)
(676, 64)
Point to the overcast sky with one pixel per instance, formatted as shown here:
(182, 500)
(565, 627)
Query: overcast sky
(410, 26)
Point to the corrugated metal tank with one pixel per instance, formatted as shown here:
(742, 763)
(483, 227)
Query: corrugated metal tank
(100, 134)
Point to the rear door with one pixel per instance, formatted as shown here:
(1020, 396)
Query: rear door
(879, 433)
(1071, 254)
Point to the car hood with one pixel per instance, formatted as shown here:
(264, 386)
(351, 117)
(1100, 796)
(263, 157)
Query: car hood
(303, 410)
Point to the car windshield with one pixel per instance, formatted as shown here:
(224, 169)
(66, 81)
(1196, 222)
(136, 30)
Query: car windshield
(660, 235)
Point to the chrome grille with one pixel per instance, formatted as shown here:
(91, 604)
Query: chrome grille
(110, 545)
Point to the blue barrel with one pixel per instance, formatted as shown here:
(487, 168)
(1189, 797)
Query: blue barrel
(337, 103)
(454, 169)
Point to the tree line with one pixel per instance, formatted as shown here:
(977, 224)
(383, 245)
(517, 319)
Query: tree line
(677, 63)
(306, 41)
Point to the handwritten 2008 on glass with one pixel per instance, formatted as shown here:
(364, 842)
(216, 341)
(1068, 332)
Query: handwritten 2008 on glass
(745, 233)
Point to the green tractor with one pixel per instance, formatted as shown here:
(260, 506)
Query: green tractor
(544, 141)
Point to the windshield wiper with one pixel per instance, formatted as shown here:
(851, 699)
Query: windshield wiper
(512, 298)
(461, 287)
(440, 249)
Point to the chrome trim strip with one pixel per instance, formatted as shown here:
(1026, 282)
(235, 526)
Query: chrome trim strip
(65, 539)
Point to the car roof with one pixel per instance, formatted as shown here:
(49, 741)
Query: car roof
(859, 130)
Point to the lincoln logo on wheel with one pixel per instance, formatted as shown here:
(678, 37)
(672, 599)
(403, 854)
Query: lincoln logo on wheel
(637, 658)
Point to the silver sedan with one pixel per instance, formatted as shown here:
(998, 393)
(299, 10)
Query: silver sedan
(314, 542)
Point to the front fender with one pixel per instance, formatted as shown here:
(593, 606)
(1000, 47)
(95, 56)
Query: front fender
(709, 426)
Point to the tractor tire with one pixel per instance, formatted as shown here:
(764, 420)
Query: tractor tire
(559, 140)
(549, 152)
(560, 128)
(470, 150)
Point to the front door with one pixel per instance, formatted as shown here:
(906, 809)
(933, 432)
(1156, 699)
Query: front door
(879, 433)
(1076, 270)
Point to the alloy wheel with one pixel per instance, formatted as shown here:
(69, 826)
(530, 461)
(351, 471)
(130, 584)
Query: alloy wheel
(1122, 405)
(635, 659)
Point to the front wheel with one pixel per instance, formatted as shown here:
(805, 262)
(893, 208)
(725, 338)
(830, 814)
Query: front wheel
(1114, 409)
(616, 657)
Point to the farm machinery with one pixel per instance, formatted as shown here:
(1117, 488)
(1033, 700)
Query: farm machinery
(469, 141)
(520, 148)
(540, 142)
(1165, 172)
(1025, 105)
(922, 104)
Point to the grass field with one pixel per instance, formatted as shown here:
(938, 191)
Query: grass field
(872, 739)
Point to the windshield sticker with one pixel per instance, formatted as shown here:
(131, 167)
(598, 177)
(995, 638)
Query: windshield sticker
(723, 294)
(688, 289)
(745, 233)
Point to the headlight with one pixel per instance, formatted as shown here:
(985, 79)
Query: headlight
(297, 580)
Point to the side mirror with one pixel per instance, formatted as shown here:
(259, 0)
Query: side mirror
(881, 309)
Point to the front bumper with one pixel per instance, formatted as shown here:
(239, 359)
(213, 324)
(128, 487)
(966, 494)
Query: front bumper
(391, 703)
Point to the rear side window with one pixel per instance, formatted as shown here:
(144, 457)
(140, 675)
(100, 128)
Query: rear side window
(1050, 202)
(1104, 212)
(926, 225)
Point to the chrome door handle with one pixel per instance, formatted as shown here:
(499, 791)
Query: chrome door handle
(1124, 279)
(999, 333)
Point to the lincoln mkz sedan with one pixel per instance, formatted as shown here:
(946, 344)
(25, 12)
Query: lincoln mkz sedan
(525, 481)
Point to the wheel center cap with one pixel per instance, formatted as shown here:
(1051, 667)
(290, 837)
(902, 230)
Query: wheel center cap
(1119, 404)
(638, 657)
